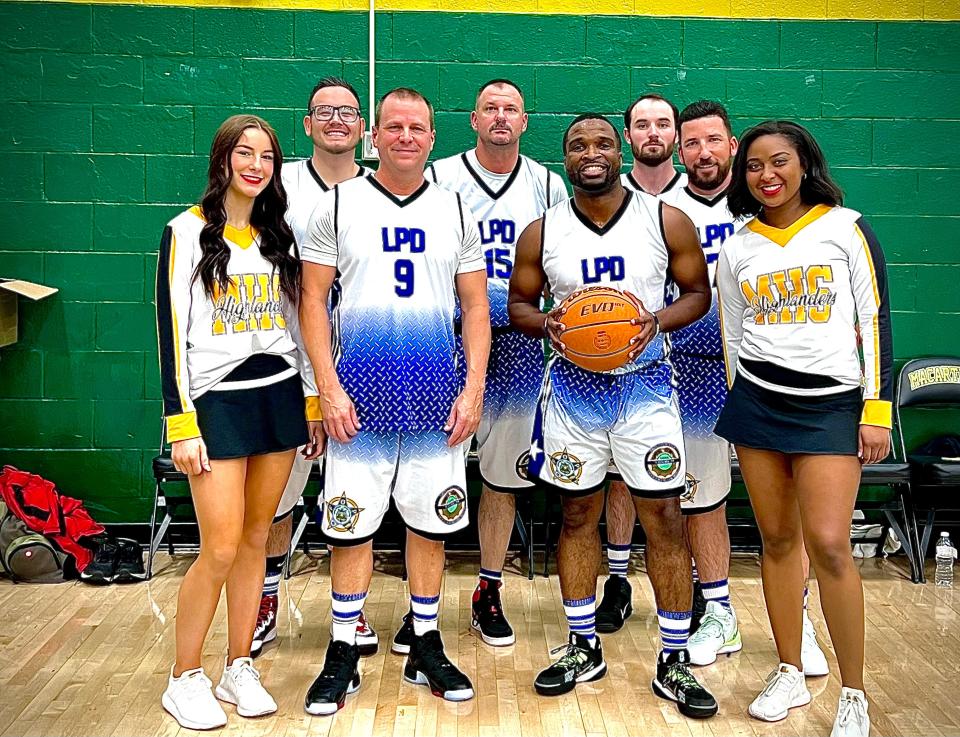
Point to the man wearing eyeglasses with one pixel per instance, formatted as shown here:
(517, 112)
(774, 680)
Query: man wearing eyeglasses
(505, 192)
(334, 125)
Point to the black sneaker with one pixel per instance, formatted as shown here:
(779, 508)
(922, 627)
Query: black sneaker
(581, 663)
(675, 682)
(339, 677)
(616, 605)
(404, 637)
(488, 617)
(699, 607)
(427, 663)
(130, 562)
(103, 568)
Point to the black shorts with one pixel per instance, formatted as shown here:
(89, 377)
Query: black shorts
(237, 423)
(759, 418)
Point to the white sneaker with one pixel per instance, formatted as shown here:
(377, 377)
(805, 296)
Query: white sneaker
(190, 701)
(785, 689)
(812, 659)
(852, 719)
(240, 685)
(717, 634)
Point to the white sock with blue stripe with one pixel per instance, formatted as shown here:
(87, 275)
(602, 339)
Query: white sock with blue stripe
(618, 557)
(718, 591)
(426, 609)
(346, 611)
(674, 629)
(582, 617)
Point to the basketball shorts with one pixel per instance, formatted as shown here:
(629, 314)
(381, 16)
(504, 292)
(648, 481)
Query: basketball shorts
(425, 478)
(514, 379)
(296, 484)
(585, 421)
(701, 392)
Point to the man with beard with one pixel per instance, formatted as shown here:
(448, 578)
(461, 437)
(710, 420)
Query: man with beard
(505, 192)
(630, 413)
(334, 124)
(650, 127)
(707, 148)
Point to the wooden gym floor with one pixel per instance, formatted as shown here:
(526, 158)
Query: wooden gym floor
(81, 660)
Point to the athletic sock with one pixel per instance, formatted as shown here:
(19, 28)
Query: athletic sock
(618, 557)
(425, 612)
(346, 612)
(718, 591)
(494, 577)
(271, 581)
(674, 629)
(582, 617)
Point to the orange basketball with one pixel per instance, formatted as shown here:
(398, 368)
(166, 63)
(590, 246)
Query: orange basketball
(598, 329)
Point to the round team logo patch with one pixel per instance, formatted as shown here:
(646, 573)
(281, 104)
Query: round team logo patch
(690, 489)
(565, 467)
(342, 514)
(523, 465)
(451, 505)
(663, 462)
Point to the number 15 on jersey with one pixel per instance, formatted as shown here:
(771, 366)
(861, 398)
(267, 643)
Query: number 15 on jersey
(396, 240)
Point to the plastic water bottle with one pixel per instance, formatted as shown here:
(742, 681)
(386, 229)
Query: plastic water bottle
(946, 554)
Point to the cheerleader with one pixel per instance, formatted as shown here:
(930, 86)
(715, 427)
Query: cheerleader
(804, 410)
(238, 398)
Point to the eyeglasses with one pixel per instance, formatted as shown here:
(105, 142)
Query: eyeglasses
(347, 113)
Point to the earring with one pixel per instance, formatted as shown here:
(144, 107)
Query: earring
(804, 176)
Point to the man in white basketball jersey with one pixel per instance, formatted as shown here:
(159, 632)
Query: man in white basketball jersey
(393, 251)
(650, 127)
(334, 124)
(608, 235)
(505, 192)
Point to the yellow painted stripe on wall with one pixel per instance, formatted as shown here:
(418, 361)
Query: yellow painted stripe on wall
(878, 10)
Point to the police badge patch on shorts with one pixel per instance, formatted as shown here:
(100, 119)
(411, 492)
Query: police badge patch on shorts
(566, 468)
(523, 465)
(342, 514)
(663, 462)
(451, 505)
(690, 489)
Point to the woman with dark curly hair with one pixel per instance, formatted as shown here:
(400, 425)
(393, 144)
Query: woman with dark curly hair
(797, 284)
(237, 396)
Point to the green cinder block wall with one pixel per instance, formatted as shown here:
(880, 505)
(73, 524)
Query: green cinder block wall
(109, 111)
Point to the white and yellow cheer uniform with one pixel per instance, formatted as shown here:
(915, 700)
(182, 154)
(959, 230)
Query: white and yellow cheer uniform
(585, 418)
(204, 341)
(502, 206)
(696, 353)
(304, 188)
(791, 301)
(393, 347)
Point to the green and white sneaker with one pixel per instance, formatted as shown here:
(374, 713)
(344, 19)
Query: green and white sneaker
(718, 634)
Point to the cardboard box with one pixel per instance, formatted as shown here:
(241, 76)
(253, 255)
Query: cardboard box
(10, 290)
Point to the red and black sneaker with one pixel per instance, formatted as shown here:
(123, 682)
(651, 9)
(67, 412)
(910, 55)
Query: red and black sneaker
(488, 617)
(266, 629)
(367, 639)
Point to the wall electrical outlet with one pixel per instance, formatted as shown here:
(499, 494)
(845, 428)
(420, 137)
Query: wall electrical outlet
(370, 152)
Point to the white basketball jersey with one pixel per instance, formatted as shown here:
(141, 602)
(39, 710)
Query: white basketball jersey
(678, 182)
(714, 225)
(393, 299)
(502, 205)
(628, 253)
(304, 188)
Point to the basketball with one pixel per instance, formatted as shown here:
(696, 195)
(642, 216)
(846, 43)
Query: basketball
(598, 329)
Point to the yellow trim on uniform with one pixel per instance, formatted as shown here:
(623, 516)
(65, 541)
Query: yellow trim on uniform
(723, 341)
(173, 318)
(314, 413)
(876, 315)
(872, 10)
(877, 412)
(182, 427)
(782, 236)
(242, 238)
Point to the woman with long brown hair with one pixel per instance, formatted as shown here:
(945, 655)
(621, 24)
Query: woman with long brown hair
(237, 396)
(805, 411)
